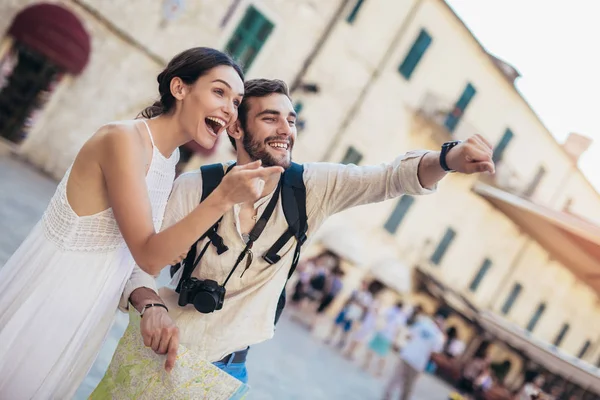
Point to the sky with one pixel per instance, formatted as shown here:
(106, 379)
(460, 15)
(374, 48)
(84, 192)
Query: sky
(555, 45)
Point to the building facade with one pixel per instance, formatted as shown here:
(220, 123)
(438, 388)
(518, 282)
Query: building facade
(370, 79)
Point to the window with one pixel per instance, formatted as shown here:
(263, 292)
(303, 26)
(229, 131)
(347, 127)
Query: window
(439, 252)
(483, 270)
(535, 182)
(415, 54)
(584, 349)
(460, 106)
(352, 156)
(354, 12)
(398, 214)
(536, 317)
(561, 335)
(512, 297)
(501, 146)
(249, 37)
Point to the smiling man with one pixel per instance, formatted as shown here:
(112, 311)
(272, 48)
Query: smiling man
(266, 131)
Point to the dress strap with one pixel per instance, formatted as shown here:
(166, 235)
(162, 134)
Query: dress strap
(149, 133)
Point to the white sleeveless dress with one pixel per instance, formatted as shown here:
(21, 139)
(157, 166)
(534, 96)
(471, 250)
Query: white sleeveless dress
(60, 290)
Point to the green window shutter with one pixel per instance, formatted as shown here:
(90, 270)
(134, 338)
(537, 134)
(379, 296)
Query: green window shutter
(399, 213)
(440, 251)
(249, 37)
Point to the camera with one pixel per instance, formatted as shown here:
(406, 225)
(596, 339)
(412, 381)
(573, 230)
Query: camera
(206, 295)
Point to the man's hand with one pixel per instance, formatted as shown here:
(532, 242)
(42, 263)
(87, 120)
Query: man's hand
(161, 334)
(474, 155)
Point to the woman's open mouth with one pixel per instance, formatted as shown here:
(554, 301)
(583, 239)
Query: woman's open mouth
(214, 125)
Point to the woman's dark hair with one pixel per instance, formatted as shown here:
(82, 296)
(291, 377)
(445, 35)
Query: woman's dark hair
(188, 65)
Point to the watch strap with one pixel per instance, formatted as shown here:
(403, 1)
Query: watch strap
(150, 305)
(446, 147)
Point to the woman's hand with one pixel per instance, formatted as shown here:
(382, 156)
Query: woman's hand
(245, 183)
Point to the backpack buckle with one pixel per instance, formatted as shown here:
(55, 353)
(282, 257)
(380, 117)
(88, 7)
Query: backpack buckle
(217, 241)
(272, 258)
(302, 238)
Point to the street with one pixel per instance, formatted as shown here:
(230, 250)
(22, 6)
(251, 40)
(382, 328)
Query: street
(294, 365)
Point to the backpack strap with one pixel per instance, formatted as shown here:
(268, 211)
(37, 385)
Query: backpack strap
(293, 198)
(212, 175)
(211, 178)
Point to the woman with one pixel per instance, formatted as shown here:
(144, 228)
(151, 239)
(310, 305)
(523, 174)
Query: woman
(60, 290)
(364, 310)
(381, 344)
(473, 369)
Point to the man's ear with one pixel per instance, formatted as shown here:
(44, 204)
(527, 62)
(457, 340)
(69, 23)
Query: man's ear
(235, 130)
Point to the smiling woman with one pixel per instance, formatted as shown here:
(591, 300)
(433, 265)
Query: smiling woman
(104, 219)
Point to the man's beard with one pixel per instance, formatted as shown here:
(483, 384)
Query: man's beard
(258, 151)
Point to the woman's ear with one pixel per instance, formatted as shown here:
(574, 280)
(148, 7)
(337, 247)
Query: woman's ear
(178, 88)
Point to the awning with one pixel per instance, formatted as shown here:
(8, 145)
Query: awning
(444, 292)
(344, 240)
(551, 358)
(394, 274)
(55, 32)
(572, 240)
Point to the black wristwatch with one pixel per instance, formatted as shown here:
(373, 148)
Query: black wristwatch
(446, 147)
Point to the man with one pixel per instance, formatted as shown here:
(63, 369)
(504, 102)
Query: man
(425, 338)
(266, 130)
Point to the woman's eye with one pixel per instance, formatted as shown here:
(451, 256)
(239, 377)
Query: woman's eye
(220, 92)
(236, 103)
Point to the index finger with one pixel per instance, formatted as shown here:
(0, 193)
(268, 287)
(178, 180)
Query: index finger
(172, 353)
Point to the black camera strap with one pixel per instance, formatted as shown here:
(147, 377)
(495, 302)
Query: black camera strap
(253, 236)
(256, 232)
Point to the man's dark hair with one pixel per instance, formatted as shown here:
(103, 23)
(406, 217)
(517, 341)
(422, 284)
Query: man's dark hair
(257, 88)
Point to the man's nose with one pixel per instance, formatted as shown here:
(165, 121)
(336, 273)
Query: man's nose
(284, 129)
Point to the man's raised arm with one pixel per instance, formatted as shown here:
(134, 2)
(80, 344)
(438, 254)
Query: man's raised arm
(337, 187)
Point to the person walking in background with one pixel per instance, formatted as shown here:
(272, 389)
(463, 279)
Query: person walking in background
(454, 346)
(364, 312)
(473, 369)
(394, 320)
(426, 337)
(333, 286)
(313, 275)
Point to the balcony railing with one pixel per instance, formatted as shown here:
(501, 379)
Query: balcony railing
(441, 120)
(505, 178)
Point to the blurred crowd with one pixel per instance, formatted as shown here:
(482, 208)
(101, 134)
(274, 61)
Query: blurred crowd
(422, 342)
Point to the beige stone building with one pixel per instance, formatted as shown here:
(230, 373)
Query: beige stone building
(516, 254)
